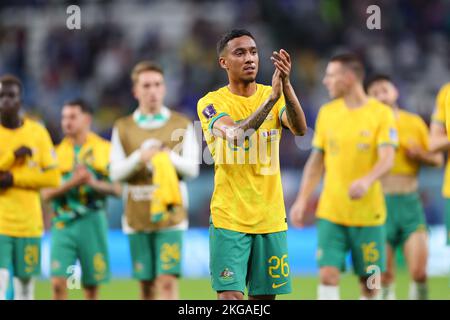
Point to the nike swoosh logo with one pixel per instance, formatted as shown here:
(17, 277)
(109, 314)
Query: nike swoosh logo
(274, 285)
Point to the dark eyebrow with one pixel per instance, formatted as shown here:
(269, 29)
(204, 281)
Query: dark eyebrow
(244, 48)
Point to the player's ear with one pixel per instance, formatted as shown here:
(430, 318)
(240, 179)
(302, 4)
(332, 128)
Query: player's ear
(396, 93)
(223, 63)
(88, 118)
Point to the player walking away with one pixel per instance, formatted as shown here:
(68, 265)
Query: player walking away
(79, 225)
(151, 143)
(440, 142)
(354, 145)
(405, 224)
(27, 164)
(242, 124)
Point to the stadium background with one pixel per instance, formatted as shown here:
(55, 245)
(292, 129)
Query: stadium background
(57, 64)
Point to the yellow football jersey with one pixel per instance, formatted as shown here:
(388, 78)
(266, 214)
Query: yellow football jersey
(94, 153)
(412, 131)
(20, 205)
(350, 139)
(248, 196)
(440, 116)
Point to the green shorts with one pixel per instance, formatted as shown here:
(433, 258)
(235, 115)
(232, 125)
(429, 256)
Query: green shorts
(256, 261)
(156, 253)
(366, 244)
(405, 216)
(23, 254)
(447, 219)
(84, 239)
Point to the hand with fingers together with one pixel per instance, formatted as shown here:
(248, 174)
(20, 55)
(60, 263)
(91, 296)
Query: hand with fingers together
(282, 62)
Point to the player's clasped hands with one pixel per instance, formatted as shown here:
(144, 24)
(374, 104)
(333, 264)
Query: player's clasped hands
(22, 152)
(358, 189)
(282, 62)
(149, 148)
(414, 152)
(81, 175)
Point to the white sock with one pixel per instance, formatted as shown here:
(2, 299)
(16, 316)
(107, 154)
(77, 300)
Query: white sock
(325, 292)
(388, 292)
(23, 289)
(418, 291)
(4, 281)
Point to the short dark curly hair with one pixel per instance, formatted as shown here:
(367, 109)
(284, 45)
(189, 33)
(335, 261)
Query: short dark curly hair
(230, 35)
(376, 77)
(84, 106)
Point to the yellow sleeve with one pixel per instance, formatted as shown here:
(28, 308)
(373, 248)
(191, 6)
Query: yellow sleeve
(36, 178)
(387, 133)
(318, 142)
(439, 114)
(46, 173)
(104, 163)
(48, 153)
(208, 113)
(423, 133)
(447, 112)
(7, 160)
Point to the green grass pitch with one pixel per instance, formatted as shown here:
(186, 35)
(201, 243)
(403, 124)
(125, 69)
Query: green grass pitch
(303, 288)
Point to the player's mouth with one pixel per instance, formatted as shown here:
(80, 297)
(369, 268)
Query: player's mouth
(249, 69)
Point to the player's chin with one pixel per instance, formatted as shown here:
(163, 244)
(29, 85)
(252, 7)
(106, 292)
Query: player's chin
(248, 78)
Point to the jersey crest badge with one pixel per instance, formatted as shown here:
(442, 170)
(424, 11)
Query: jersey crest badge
(209, 111)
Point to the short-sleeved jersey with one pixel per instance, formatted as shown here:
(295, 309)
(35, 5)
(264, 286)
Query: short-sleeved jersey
(94, 154)
(412, 131)
(349, 139)
(439, 116)
(20, 208)
(248, 195)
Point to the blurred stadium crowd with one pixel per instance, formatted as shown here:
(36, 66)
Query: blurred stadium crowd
(57, 64)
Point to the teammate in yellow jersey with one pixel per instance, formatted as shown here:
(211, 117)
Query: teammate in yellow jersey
(242, 124)
(405, 225)
(79, 224)
(27, 164)
(440, 142)
(354, 145)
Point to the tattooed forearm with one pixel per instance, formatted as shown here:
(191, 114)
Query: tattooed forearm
(294, 112)
(237, 132)
(257, 118)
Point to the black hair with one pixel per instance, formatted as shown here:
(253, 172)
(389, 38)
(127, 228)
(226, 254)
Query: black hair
(9, 79)
(230, 35)
(82, 104)
(376, 77)
(352, 62)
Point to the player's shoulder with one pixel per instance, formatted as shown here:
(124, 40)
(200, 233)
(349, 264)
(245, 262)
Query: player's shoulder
(444, 91)
(331, 106)
(212, 96)
(209, 102)
(379, 108)
(263, 88)
(123, 121)
(36, 127)
(99, 140)
(445, 88)
(410, 116)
